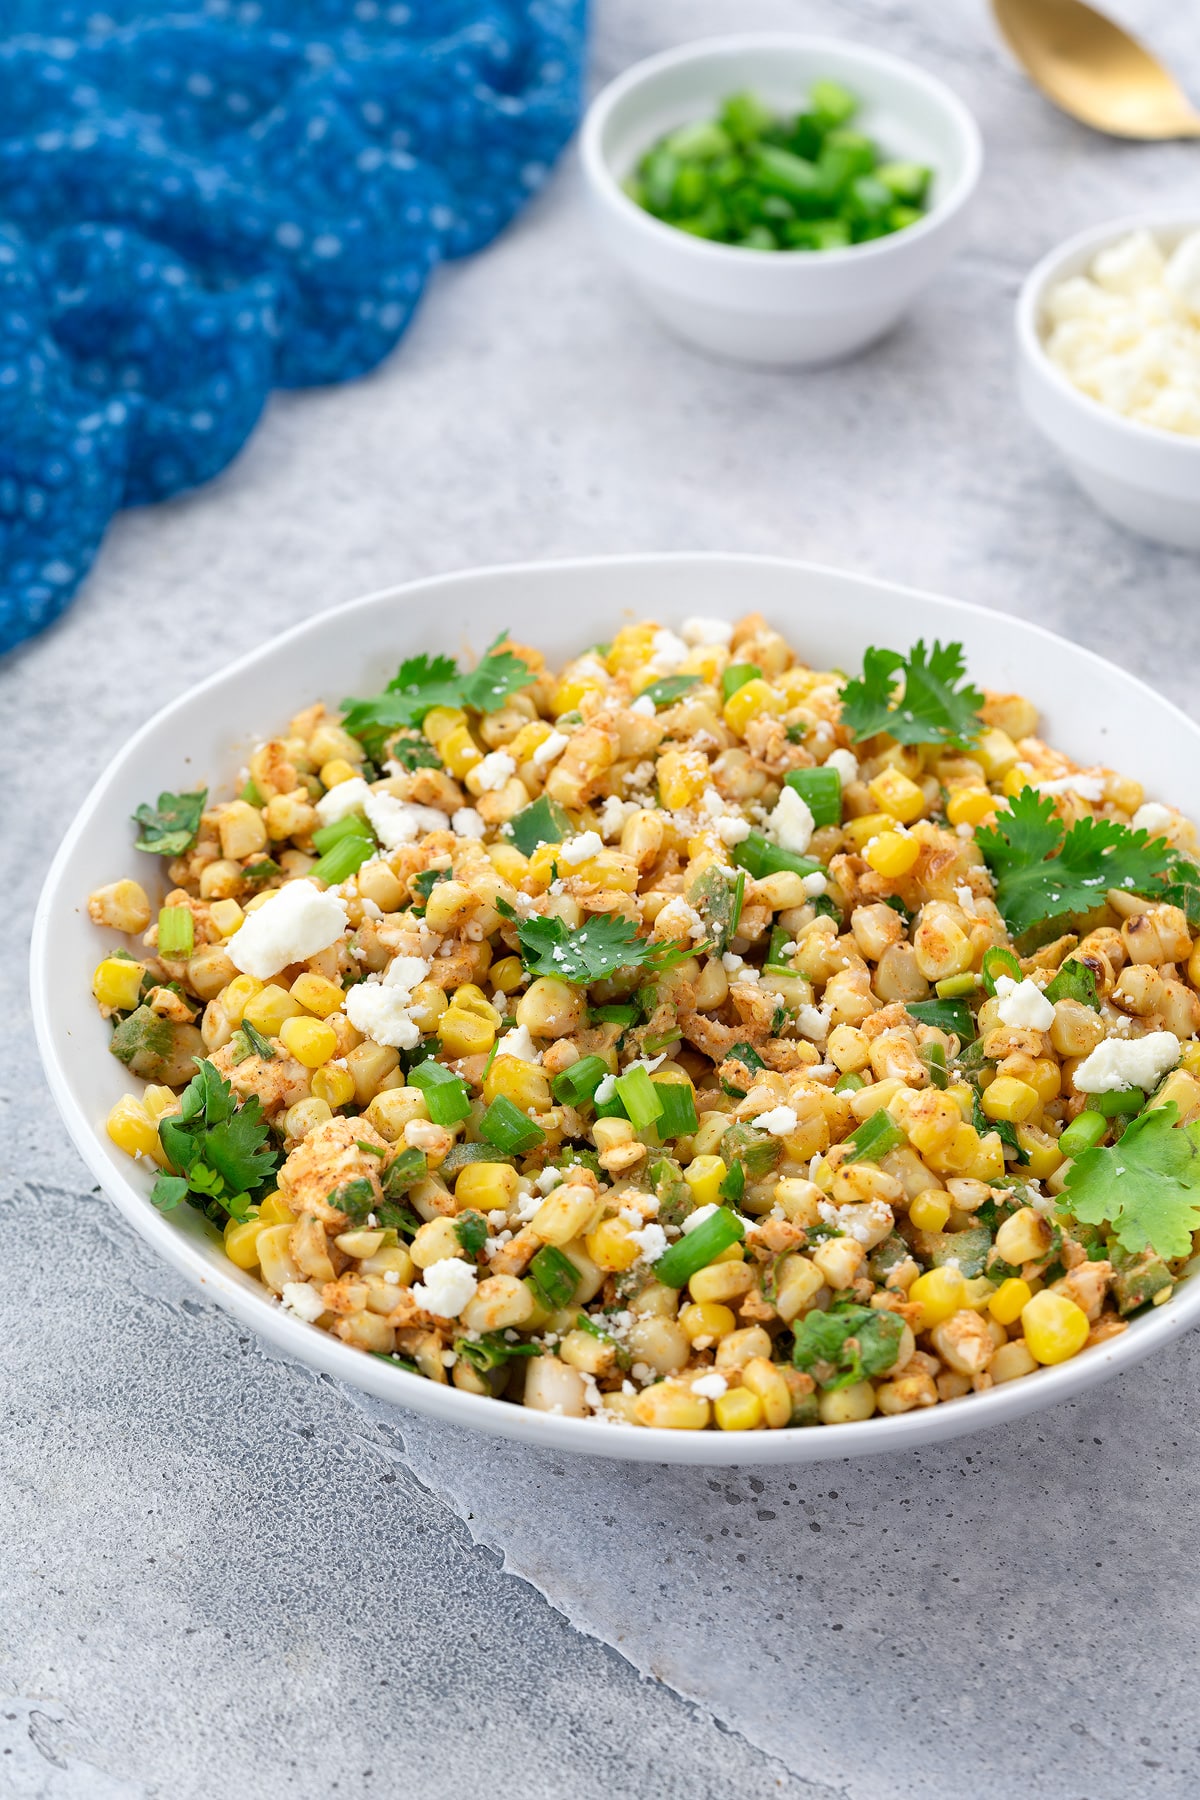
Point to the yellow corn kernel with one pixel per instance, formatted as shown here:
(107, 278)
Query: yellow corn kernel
(541, 865)
(462, 1033)
(611, 1247)
(241, 1242)
(986, 1163)
(334, 1086)
(310, 1041)
(609, 869)
(370, 1065)
(132, 1130)
(941, 1293)
(963, 1097)
(521, 1082)
(472, 999)
(124, 905)
(527, 740)
(847, 1406)
(1025, 1237)
(1054, 1327)
(970, 806)
(459, 751)
(226, 915)
(157, 1101)
(894, 793)
(671, 1406)
(1010, 1300)
(996, 752)
(274, 1210)
(1042, 1151)
(237, 996)
(704, 1175)
(117, 983)
(508, 862)
(1190, 1059)
(861, 831)
(930, 1210)
(707, 1321)
(395, 1107)
(762, 1377)
(267, 1009)
(721, 1281)
(337, 770)
(441, 721)
(738, 1410)
(1008, 1098)
(1045, 1078)
(318, 995)
(891, 854)
(564, 1213)
(486, 1187)
(507, 975)
(632, 646)
(305, 1116)
(707, 661)
(683, 776)
(569, 695)
(752, 698)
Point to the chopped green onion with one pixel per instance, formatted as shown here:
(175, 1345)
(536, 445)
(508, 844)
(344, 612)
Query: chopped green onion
(1074, 981)
(617, 1015)
(640, 1098)
(252, 794)
(1083, 1133)
(934, 1058)
(669, 689)
(459, 1155)
(998, 961)
(774, 964)
(511, 1130)
(953, 987)
(352, 825)
(821, 792)
(576, 1085)
(554, 1277)
(736, 676)
(176, 932)
(545, 822)
(491, 1351)
(256, 1043)
(875, 1137)
(848, 1084)
(661, 1040)
(678, 1117)
(446, 1095)
(945, 1015)
(760, 858)
(696, 1249)
(734, 1184)
(1117, 1101)
(340, 863)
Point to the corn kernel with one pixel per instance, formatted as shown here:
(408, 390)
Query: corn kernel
(521, 1082)
(237, 996)
(748, 701)
(632, 646)
(611, 1247)
(894, 793)
(241, 1242)
(334, 1086)
(310, 1041)
(267, 1009)
(1010, 1300)
(706, 1321)
(1025, 1237)
(486, 1187)
(158, 1100)
(337, 770)
(462, 1033)
(1190, 1059)
(930, 1210)
(996, 753)
(986, 1163)
(275, 1210)
(704, 1175)
(671, 1406)
(226, 915)
(124, 905)
(861, 831)
(1014, 782)
(507, 975)
(941, 1293)
(970, 806)
(1044, 1155)
(117, 983)
(683, 776)
(738, 1410)
(318, 995)
(1008, 1098)
(568, 695)
(891, 854)
(132, 1130)
(508, 862)
(1054, 1327)
(459, 751)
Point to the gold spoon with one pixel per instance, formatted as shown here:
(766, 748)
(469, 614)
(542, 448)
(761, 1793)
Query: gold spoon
(1094, 70)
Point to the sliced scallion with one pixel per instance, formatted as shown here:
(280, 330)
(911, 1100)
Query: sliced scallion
(698, 1248)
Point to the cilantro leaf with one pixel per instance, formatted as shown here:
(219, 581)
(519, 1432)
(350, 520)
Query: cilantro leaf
(499, 675)
(1146, 1186)
(933, 709)
(1075, 980)
(218, 1150)
(1042, 871)
(236, 1148)
(170, 828)
(423, 682)
(1183, 889)
(602, 944)
(415, 753)
(847, 1344)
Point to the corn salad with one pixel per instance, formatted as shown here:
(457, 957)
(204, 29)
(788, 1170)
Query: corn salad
(674, 1039)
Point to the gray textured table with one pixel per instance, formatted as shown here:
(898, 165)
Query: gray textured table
(221, 1575)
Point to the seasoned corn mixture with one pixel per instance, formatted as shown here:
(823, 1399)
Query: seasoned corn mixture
(685, 1037)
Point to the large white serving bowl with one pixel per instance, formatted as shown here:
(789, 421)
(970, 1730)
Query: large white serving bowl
(1145, 478)
(1092, 710)
(791, 306)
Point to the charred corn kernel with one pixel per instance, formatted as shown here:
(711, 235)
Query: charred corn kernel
(970, 806)
(1010, 1300)
(738, 1410)
(682, 777)
(267, 1009)
(707, 1321)
(995, 752)
(861, 831)
(459, 751)
(117, 983)
(306, 1116)
(986, 1163)
(1010, 1099)
(894, 793)
(1054, 1327)
(569, 694)
(508, 862)
(226, 915)
(611, 1247)
(941, 1293)
(124, 905)
(930, 1210)
(337, 770)
(507, 975)
(132, 1129)
(485, 1187)
(463, 1033)
(891, 854)
(1025, 1237)
(238, 995)
(275, 1210)
(157, 1101)
(334, 1086)
(752, 698)
(521, 1082)
(241, 1242)
(704, 1175)
(310, 1041)
(441, 721)
(317, 995)
(1040, 1148)
(670, 1406)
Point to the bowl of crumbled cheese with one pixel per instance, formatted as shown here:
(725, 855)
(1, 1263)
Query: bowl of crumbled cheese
(1108, 346)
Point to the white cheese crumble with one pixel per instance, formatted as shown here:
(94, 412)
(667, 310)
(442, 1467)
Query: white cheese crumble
(302, 1299)
(294, 924)
(405, 972)
(490, 775)
(710, 1387)
(397, 822)
(868, 1222)
(1088, 787)
(518, 1043)
(679, 912)
(780, 1121)
(445, 1287)
(381, 1014)
(581, 849)
(1023, 1005)
(613, 815)
(466, 823)
(651, 1240)
(667, 652)
(1153, 818)
(698, 1217)
(815, 884)
(1130, 1062)
(549, 1178)
(966, 899)
(792, 822)
(814, 1022)
(706, 631)
(606, 1090)
(550, 749)
(846, 764)
(644, 707)
(732, 830)
(340, 801)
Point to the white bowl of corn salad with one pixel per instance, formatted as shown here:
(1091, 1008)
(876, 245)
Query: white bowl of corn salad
(701, 1001)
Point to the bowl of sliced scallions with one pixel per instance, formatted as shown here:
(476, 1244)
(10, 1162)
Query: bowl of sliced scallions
(780, 199)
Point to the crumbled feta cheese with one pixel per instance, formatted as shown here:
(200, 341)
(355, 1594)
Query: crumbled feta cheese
(397, 822)
(466, 823)
(698, 1217)
(780, 1121)
(815, 884)
(965, 898)
(651, 1240)
(381, 1013)
(732, 830)
(613, 815)
(491, 774)
(296, 922)
(731, 962)
(868, 1222)
(1023, 1005)
(710, 1387)
(445, 1287)
(526, 1206)
(581, 849)
(1088, 787)
(1125, 1063)
(405, 972)
(649, 1063)
(549, 1178)
(792, 822)
(706, 631)
(370, 910)
(644, 707)
(679, 912)
(342, 800)
(550, 749)
(301, 1298)
(814, 1022)
(518, 1043)
(667, 652)
(846, 764)
(1155, 819)
(606, 1090)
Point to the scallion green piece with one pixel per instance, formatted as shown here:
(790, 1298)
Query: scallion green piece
(998, 961)
(508, 1128)
(617, 1015)
(176, 932)
(848, 1084)
(678, 1117)
(875, 1137)
(945, 1015)
(736, 675)
(761, 858)
(446, 1095)
(1083, 1133)
(1117, 1101)
(640, 1098)
(341, 862)
(352, 825)
(404, 1172)
(954, 987)
(554, 1277)
(576, 1085)
(821, 791)
(696, 1249)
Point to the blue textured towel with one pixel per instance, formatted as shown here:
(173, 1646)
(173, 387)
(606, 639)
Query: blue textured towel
(203, 205)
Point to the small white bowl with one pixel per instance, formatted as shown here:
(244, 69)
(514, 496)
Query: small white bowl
(789, 306)
(1145, 478)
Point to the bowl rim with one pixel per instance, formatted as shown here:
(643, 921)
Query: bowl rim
(1033, 351)
(650, 68)
(251, 1304)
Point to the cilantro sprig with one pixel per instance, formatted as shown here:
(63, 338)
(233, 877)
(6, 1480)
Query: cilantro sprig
(170, 828)
(921, 698)
(1043, 871)
(423, 682)
(601, 945)
(1146, 1186)
(218, 1148)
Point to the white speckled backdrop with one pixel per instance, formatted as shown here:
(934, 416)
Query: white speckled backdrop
(220, 1575)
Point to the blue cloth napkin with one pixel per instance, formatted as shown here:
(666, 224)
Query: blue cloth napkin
(198, 206)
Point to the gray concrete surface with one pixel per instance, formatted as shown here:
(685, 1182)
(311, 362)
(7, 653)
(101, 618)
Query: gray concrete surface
(222, 1576)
